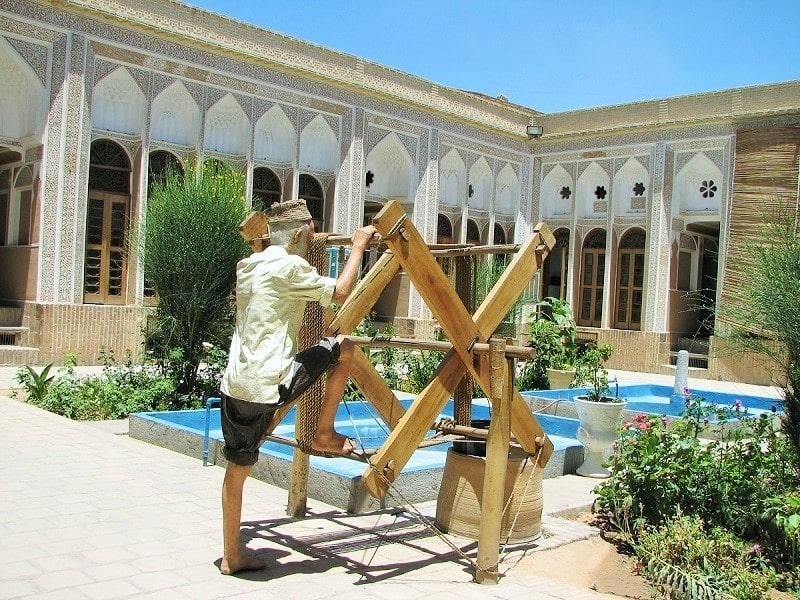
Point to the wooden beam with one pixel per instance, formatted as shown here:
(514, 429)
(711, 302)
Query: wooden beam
(496, 465)
(434, 345)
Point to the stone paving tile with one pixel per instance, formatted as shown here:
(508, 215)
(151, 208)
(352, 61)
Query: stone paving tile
(116, 517)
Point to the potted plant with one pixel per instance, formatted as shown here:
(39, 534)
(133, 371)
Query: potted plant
(552, 335)
(598, 411)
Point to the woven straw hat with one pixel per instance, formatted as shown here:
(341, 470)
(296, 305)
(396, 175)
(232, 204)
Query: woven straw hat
(288, 212)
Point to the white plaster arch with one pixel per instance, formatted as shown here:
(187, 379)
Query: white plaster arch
(593, 177)
(392, 169)
(227, 128)
(507, 194)
(552, 202)
(452, 179)
(699, 173)
(480, 177)
(23, 101)
(319, 148)
(118, 103)
(629, 175)
(275, 137)
(175, 116)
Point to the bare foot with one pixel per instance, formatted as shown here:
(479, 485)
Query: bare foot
(334, 443)
(240, 563)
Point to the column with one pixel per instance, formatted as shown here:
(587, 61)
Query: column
(659, 224)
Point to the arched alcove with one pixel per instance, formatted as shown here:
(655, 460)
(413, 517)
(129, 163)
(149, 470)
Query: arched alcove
(275, 137)
(319, 148)
(631, 187)
(227, 128)
(23, 100)
(118, 103)
(391, 169)
(473, 232)
(592, 188)
(698, 186)
(554, 269)
(310, 190)
(175, 116)
(480, 178)
(557, 193)
(452, 180)
(159, 163)
(444, 230)
(507, 192)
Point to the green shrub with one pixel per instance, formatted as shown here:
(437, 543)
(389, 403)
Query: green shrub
(688, 562)
(190, 249)
(118, 391)
(659, 470)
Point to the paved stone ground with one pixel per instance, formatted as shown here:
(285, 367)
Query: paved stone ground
(87, 513)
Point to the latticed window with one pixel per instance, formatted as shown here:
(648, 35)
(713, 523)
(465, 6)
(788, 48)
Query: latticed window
(105, 263)
(473, 234)
(444, 230)
(159, 163)
(554, 271)
(310, 190)
(593, 267)
(266, 188)
(630, 280)
(499, 235)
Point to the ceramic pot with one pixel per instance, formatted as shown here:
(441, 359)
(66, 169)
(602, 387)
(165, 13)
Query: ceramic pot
(599, 429)
(560, 379)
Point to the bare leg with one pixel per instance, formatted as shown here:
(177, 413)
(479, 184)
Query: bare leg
(234, 559)
(326, 438)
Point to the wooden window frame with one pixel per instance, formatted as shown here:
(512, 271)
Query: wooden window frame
(598, 256)
(106, 250)
(629, 289)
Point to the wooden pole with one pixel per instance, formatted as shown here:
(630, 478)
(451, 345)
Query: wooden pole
(494, 477)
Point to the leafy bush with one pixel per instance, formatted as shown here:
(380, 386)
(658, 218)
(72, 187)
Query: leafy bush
(114, 394)
(690, 563)
(190, 248)
(659, 470)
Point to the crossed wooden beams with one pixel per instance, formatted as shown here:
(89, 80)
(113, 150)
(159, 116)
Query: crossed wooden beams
(410, 252)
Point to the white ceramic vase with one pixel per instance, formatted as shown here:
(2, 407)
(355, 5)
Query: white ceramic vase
(599, 429)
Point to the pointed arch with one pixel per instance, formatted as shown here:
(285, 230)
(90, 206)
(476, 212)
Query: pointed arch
(107, 213)
(555, 267)
(310, 190)
(593, 185)
(23, 101)
(175, 116)
(275, 137)
(473, 232)
(698, 186)
(557, 193)
(592, 281)
(118, 103)
(444, 229)
(631, 187)
(631, 266)
(266, 188)
(507, 192)
(452, 179)
(319, 148)
(480, 178)
(227, 128)
(392, 170)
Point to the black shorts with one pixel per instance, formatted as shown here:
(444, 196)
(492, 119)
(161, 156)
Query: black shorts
(244, 424)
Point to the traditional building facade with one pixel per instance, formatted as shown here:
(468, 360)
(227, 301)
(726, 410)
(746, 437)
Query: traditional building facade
(102, 95)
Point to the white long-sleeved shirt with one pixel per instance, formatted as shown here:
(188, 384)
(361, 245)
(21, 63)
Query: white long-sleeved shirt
(272, 289)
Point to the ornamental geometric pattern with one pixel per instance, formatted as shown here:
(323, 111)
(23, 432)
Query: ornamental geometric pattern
(600, 192)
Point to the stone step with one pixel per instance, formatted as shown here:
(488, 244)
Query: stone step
(18, 355)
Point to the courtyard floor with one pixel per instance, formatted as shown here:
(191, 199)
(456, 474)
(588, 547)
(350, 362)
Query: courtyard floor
(87, 512)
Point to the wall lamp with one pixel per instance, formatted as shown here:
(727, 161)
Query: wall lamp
(533, 130)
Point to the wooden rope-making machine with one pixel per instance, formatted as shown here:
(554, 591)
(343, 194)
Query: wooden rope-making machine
(470, 353)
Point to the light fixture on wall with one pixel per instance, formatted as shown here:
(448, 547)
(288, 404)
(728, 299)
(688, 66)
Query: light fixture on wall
(533, 130)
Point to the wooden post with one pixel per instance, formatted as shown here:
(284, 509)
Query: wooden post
(462, 398)
(298, 489)
(494, 478)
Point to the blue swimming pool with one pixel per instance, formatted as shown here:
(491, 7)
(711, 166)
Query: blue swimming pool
(659, 399)
(359, 421)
